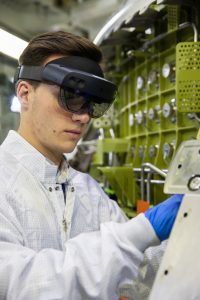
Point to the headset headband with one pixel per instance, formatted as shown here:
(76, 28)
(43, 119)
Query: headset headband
(62, 73)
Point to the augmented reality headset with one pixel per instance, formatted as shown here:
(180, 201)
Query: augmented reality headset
(82, 86)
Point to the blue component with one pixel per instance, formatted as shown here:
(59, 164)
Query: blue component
(163, 215)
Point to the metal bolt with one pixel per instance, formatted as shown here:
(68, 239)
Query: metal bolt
(166, 272)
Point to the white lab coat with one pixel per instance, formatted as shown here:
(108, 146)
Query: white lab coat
(43, 256)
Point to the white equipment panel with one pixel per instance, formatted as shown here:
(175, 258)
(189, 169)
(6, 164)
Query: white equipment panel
(178, 277)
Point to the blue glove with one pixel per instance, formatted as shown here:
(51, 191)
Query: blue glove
(162, 216)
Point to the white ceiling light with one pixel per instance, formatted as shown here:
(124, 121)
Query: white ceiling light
(11, 45)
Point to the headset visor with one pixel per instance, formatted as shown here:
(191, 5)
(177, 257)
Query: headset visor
(82, 103)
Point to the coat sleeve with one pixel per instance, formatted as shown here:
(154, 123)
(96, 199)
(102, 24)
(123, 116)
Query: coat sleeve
(143, 284)
(93, 266)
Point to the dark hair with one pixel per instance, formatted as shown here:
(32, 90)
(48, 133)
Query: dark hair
(58, 42)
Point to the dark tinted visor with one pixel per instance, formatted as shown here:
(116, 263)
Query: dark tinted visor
(82, 103)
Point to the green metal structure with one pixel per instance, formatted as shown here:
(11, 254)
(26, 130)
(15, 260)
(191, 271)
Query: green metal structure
(154, 57)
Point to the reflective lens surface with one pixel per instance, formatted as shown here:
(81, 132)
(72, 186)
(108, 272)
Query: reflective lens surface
(80, 104)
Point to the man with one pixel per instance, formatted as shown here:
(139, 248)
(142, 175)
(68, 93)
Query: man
(45, 204)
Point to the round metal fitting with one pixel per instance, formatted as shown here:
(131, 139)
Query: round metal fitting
(166, 110)
(131, 119)
(139, 117)
(152, 151)
(152, 77)
(194, 183)
(141, 151)
(151, 114)
(167, 150)
(166, 69)
(140, 82)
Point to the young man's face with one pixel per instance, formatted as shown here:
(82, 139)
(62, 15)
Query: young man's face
(48, 127)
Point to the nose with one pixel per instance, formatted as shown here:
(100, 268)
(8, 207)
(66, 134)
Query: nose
(82, 118)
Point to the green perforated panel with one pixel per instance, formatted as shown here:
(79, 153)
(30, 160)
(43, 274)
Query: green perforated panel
(188, 76)
(173, 17)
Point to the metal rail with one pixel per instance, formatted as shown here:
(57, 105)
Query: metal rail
(161, 36)
(150, 169)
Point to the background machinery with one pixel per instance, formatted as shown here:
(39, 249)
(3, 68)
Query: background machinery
(152, 52)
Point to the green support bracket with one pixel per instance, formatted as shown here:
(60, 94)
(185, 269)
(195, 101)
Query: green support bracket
(122, 181)
(108, 173)
(117, 145)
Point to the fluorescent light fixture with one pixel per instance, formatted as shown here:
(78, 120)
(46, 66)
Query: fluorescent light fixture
(15, 105)
(129, 29)
(11, 45)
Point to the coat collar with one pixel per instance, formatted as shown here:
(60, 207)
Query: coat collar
(31, 159)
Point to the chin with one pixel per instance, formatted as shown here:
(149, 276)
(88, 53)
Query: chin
(69, 149)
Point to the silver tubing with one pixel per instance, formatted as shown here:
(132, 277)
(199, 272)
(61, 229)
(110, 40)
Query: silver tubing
(163, 35)
(188, 24)
(153, 168)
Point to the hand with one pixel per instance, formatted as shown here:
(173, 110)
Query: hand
(163, 215)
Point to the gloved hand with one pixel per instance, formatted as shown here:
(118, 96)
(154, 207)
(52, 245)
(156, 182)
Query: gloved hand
(162, 216)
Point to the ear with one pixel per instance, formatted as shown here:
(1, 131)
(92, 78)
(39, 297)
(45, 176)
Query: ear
(23, 92)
